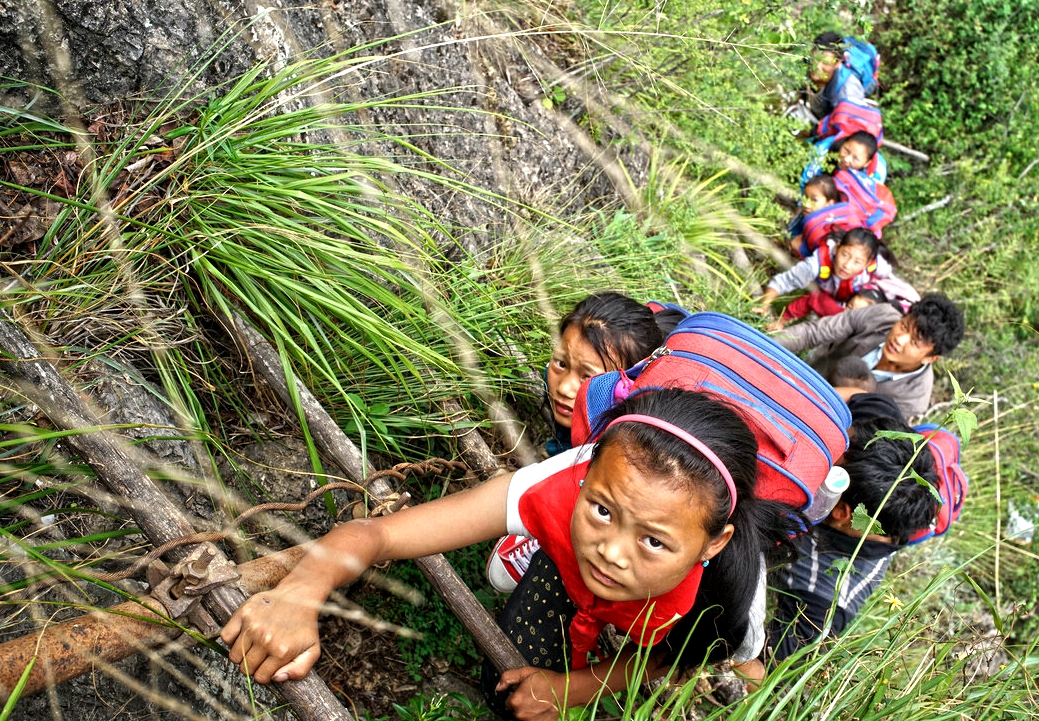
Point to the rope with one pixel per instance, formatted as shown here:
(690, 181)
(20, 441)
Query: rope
(389, 504)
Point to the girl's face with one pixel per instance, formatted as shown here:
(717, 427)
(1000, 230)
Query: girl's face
(850, 260)
(853, 154)
(814, 199)
(635, 537)
(573, 361)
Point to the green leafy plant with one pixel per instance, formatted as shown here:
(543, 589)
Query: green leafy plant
(442, 708)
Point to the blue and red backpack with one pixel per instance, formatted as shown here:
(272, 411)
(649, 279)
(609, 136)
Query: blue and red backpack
(861, 59)
(873, 200)
(798, 419)
(851, 117)
(817, 226)
(952, 481)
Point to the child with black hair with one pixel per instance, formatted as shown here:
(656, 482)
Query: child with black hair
(852, 377)
(857, 151)
(829, 86)
(830, 78)
(604, 332)
(655, 529)
(854, 152)
(822, 213)
(899, 348)
(807, 588)
(840, 268)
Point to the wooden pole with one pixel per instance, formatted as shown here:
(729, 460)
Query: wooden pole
(336, 445)
(906, 150)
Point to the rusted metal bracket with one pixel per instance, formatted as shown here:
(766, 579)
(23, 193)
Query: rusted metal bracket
(181, 589)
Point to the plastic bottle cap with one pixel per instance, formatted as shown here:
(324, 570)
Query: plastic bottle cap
(837, 479)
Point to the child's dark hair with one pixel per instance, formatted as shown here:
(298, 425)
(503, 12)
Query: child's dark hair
(873, 295)
(867, 239)
(852, 371)
(717, 623)
(668, 319)
(824, 182)
(829, 41)
(868, 141)
(859, 236)
(874, 466)
(621, 330)
(937, 320)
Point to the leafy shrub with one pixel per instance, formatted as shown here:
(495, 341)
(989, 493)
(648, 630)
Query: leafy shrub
(965, 81)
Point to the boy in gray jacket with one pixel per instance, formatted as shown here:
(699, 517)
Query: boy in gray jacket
(899, 349)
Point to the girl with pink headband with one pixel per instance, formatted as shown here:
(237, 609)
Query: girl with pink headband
(654, 529)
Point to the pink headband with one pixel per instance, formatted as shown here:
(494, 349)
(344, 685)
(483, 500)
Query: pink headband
(691, 440)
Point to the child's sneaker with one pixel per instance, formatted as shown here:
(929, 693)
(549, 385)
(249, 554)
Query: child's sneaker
(509, 561)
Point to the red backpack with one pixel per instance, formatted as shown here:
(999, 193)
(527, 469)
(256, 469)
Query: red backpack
(952, 481)
(820, 223)
(873, 199)
(850, 117)
(798, 419)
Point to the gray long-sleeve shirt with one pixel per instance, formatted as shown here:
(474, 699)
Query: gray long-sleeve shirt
(857, 332)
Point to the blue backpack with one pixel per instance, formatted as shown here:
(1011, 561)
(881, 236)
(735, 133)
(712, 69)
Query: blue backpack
(798, 419)
(862, 59)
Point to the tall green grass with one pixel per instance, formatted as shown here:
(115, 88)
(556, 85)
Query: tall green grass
(243, 201)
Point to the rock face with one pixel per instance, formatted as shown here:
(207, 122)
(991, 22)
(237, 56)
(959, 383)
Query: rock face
(506, 116)
(487, 98)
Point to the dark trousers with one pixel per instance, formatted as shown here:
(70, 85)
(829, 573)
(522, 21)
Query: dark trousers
(537, 620)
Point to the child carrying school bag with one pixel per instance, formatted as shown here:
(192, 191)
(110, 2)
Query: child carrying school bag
(817, 226)
(952, 481)
(798, 419)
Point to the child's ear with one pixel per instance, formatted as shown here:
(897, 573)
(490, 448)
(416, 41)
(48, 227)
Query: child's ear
(719, 542)
(841, 512)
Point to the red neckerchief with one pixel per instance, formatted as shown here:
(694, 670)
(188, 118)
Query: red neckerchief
(546, 510)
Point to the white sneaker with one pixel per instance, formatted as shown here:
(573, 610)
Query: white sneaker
(509, 561)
